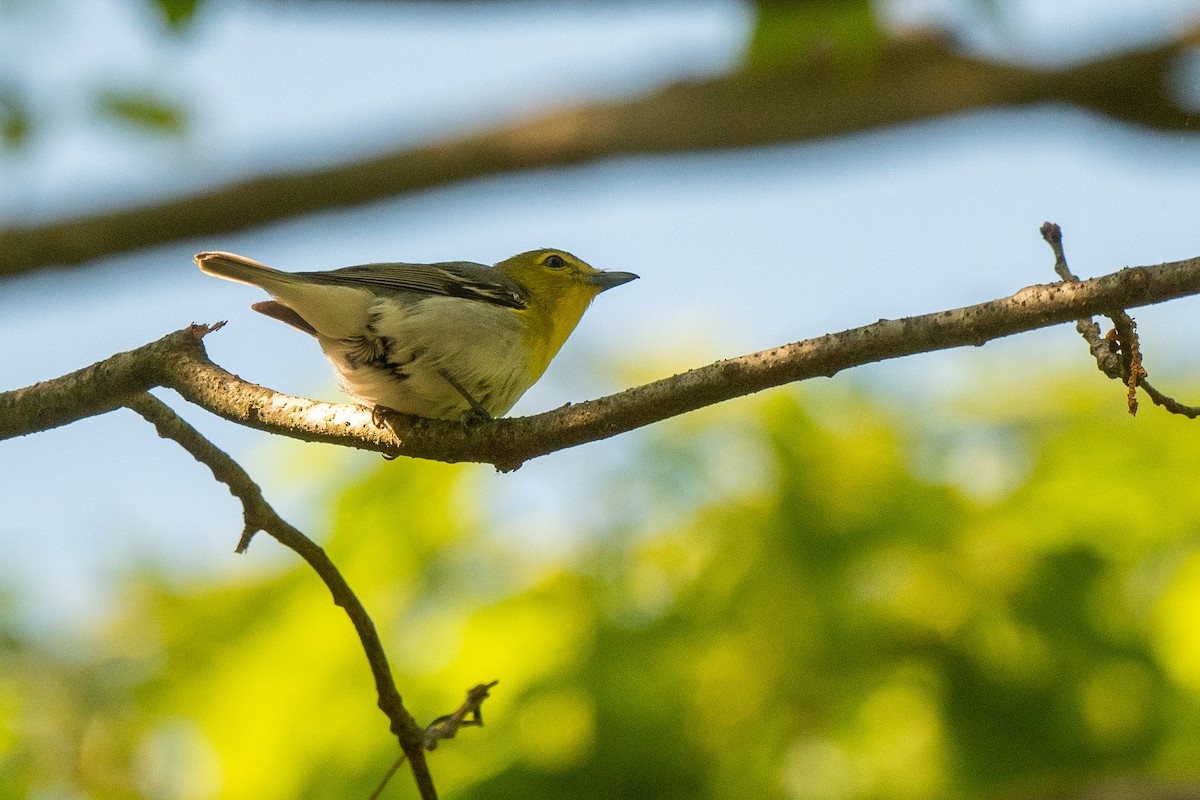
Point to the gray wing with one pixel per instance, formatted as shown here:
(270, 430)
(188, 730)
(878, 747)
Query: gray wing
(452, 279)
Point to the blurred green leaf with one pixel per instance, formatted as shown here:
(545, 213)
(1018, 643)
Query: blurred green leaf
(845, 31)
(177, 13)
(16, 122)
(143, 110)
(835, 627)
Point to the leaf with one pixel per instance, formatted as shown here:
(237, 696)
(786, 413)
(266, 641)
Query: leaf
(15, 119)
(789, 30)
(177, 13)
(143, 110)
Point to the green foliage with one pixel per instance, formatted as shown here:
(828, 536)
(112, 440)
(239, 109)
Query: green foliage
(790, 30)
(178, 14)
(143, 110)
(15, 120)
(774, 605)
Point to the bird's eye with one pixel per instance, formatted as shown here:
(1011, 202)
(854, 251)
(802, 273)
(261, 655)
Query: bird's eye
(555, 261)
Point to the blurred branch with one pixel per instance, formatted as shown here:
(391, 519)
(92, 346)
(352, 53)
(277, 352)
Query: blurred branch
(1118, 787)
(259, 515)
(908, 79)
(1126, 368)
(178, 361)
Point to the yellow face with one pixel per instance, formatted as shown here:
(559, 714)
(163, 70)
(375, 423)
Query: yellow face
(559, 287)
(546, 273)
(558, 282)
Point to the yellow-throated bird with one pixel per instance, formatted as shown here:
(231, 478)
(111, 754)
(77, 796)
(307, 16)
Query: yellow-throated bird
(447, 341)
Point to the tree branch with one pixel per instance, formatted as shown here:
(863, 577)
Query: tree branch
(178, 361)
(907, 79)
(1101, 347)
(259, 515)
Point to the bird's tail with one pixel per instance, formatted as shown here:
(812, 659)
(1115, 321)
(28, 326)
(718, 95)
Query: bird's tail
(238, 268)
(339, 312)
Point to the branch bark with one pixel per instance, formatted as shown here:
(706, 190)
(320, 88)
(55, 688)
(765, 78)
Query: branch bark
(910, 79)
(178, 361)
(259, 515)
(1109, 362)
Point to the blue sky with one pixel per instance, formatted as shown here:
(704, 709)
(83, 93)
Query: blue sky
(738, 251)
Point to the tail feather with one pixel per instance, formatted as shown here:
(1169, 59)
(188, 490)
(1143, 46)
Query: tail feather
(338, 312)
(279, 311)
(238, 268)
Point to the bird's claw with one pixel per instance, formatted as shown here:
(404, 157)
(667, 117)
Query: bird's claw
(379, 415)
(474, 416)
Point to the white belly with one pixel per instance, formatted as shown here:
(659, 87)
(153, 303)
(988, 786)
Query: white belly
(411, 344)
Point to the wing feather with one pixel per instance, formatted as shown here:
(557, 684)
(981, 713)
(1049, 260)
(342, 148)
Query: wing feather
(452, 278)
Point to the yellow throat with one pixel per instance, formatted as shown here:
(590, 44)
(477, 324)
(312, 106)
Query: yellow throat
(559, 288)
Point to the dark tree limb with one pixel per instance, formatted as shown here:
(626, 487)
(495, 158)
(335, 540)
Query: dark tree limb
(260, 516)
(907, 79)
(178, 361)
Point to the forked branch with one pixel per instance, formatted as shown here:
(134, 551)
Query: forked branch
(259, 515)
(1123, 339)
(179, 361)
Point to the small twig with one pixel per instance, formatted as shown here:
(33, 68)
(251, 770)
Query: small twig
(1106, 359)
(259, 515)
(1131, 357)
(1169, 403)
(445, 727)
(467, 715)
(1127, 366)
(387, 777)
(256, 512)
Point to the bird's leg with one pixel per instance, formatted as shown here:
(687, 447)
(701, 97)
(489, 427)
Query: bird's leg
(379, 416)
(474, 416)
(476, 413)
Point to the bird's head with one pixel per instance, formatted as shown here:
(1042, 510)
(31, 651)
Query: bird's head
(555, 277)
(558, 289)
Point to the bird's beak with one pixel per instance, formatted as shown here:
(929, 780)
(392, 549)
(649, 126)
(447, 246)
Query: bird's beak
(606, 280)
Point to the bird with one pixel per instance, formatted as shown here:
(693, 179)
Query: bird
(450, 340)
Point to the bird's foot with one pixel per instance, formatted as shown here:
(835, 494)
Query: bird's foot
(379, 416)
(474, 416)
(476, 413)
